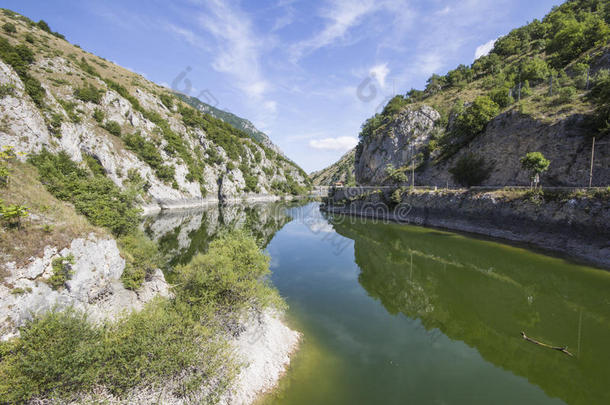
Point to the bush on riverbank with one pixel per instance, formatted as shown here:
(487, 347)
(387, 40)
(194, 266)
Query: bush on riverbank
(62, 355)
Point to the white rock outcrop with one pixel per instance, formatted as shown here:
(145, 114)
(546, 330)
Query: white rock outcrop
(95, 286)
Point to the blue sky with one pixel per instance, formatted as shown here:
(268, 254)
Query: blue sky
(308, 73)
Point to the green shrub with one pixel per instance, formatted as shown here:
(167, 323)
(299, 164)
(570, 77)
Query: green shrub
(142, 258)
(477, 115)
(88, 93)
(566, 95)
(9, 28)
(231, 275)
(12, 214)
(98, 115)
(62, 271)
(6, 89)
(470, 170)
(94, 196)
(535, 163)
(167, 100)
(113, 127)
(396, 175)
(502, 97)
(147, 151)
(54, 124)
(29, 38)
(70, 109)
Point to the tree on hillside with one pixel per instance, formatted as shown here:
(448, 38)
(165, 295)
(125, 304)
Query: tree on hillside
(536, 164)
(477, 115)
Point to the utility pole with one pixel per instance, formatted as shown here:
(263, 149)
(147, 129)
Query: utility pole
(592, 159)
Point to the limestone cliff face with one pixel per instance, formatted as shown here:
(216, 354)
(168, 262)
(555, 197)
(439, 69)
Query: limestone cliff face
(229, 166)
(505, 140)
(95, 286)
(398, 144)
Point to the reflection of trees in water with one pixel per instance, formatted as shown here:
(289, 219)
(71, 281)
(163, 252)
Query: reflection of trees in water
(484, 294)
(183, 234)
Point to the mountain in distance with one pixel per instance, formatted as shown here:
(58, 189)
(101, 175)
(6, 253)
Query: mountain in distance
(342, 171)
(232, 119)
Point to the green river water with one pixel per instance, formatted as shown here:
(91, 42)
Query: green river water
(396, 314)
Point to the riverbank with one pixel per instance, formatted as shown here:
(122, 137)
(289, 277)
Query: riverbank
(576, 224)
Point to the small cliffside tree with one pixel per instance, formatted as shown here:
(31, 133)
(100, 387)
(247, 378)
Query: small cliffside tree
(536, 164)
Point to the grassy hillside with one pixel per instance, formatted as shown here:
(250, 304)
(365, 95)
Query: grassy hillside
(74, 91)
(340, 171)
(547, 71)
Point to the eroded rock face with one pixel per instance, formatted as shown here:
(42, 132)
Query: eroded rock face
(399, 145)
(505, 140)
(25, 127)
(95, 286)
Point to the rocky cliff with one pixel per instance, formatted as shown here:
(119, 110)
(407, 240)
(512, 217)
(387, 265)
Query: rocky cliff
(87, 106)
(405, 143)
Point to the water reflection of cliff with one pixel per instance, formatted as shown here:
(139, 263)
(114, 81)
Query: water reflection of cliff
(484, 294)
(182, 234)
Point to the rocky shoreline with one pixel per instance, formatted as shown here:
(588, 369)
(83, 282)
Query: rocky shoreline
(575, 227)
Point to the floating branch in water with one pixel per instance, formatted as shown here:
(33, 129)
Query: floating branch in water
(561, 349)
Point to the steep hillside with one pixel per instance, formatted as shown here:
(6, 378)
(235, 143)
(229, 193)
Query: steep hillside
(58, 97)
(230, 118)
(340, 171)
(544, 88)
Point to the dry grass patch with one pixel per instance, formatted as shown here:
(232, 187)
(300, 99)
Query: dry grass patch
(51, 222)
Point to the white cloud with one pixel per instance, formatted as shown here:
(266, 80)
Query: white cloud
(342, 15)
(238, 49)
(342, 143)
(380, 72)
(484, 49)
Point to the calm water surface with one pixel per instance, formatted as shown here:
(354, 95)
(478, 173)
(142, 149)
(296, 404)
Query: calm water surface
(397, 314)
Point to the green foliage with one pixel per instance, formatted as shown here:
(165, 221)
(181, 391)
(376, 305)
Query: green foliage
(231, 275)
(396, 196)
(396, 175)
(394, 106)
(167, 100)
(29, 38)
(501, 96)
(62, 271)
(70, 109)
(6, 89)
(370, 126)
(535, 163)
(470, 170)
(142, 258)
(147, 151)
(600, 95)
(113, 127)
(7, 154)
(44, 26)
(20, 57)
(477, 115)
(88, 93)
(94, 196)
(566, 95)
(62, 354)
(12, 214)
(9, 28)
(54, 124)
(534, 70)
(98, 115)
